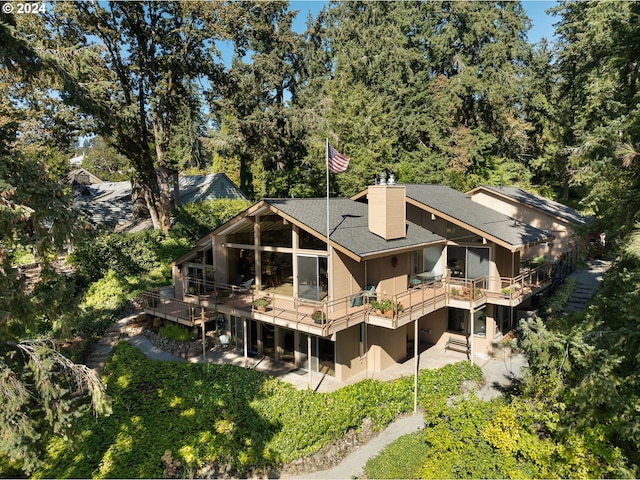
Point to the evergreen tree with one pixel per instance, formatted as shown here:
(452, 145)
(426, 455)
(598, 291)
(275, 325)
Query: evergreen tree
(128, 66)
(37, 383)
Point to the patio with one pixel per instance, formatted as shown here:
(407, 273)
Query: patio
(431, 358)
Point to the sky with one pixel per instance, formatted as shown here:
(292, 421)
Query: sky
(542, 23)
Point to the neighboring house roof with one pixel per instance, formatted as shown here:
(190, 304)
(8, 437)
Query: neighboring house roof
(459, 209)
(550, 207)
(110, 202)
(77, 160)
(82, 176)
(198, 188)
(348, 226)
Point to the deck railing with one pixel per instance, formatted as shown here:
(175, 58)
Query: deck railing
(343, 312)
(186, 313)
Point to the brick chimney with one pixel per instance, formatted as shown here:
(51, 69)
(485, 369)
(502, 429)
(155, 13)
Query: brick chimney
(387, 208)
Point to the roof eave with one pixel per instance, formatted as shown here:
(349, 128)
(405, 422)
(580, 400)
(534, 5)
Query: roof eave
(398, 250)
(517, 200)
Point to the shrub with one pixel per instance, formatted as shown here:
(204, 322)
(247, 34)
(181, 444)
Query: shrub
(195, 220)
(556, 302)
(127, 254)
(236, 418)
(176, 332)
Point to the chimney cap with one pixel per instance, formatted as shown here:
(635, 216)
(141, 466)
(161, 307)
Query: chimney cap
(383, 178)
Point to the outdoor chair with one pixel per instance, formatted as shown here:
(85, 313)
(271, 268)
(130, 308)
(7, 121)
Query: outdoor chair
(243, 287)
(224, 341)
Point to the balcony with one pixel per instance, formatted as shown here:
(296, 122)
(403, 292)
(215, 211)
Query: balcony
(324, 318)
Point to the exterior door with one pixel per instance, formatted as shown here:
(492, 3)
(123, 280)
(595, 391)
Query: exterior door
(312, 277)
(303, 357)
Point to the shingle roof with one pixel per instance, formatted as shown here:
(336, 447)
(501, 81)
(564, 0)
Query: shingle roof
(546, 205)
(110, 202)
(348, 224)
(459, 207)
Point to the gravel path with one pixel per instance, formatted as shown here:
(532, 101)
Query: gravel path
(352, 466)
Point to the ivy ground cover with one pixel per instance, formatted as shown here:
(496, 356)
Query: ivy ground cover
(224, 417)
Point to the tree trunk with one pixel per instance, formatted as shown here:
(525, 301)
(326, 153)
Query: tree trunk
(138, 201)
(565, 183)
(160, 133)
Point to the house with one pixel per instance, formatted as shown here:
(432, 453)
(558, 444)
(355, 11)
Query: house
(77, 160)
(406, 268)
(82, 177)
(569, 227)
(109, 203)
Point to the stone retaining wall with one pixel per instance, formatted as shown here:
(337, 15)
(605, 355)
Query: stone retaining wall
(177, 349)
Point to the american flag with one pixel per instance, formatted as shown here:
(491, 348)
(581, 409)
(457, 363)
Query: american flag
(336, 161)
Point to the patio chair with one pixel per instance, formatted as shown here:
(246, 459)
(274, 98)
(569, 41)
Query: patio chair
(224, 341)
(243, 287)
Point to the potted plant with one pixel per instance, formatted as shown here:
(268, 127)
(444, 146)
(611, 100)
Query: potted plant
(455, 292)
(318, 316)
(261, 304)
(221, 294)
(384, 307)
(376, 306)
(506, 292)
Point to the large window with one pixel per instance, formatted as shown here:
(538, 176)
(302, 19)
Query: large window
(275, 231)
(322, 355)
(362, 344)
(312, 277)
(468, 262)
(199, 279)
(236, 329)
(310, 242)
(427, 260)
(456, 232)
(455, 321)
(244, 236)
(277, 269)
(480, 323)
(503, 320)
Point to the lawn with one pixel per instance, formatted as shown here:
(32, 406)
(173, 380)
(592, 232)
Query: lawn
(195, 419)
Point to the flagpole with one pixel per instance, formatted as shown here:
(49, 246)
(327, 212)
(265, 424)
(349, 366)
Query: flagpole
(328, 245)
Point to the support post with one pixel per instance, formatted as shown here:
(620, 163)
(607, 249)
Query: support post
(472, 316)
(204, 341)
(244, 340)
(309, 359)
(416, 362)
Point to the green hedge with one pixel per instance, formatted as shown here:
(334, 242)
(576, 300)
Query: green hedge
(222, 415)
(176, 332)
(127, 254)
(471, 438)
(195, 220)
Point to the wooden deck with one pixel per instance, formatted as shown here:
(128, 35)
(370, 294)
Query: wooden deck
(324, 318)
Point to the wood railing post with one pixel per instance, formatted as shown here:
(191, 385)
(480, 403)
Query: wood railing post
(204, 344)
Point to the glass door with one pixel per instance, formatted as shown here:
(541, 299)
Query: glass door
(303, 356)
(477, 262)
(312, 278)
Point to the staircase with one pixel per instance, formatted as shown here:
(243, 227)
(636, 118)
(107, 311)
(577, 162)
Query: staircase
(587, 282)
(110, 338)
